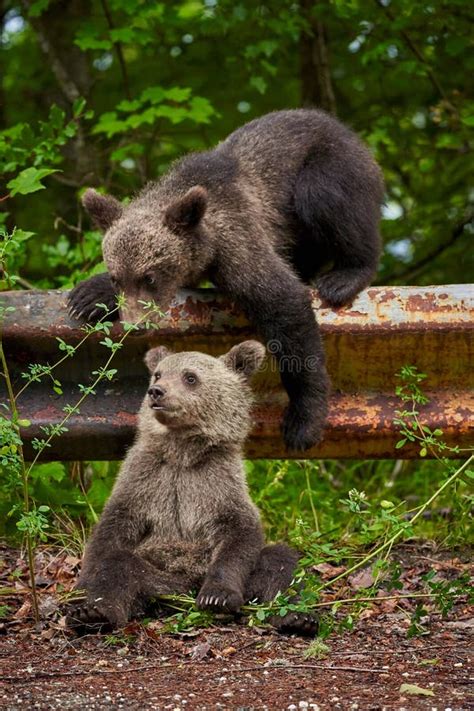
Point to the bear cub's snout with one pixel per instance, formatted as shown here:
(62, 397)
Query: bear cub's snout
(156, 393)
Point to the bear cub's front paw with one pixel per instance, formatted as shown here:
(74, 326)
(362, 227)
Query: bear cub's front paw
(214, 596)
(83, 299)
(302, 426)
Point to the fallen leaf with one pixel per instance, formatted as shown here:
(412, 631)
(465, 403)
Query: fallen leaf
(48, 606)
(228, 651)
(47, 634)
(363, 579)
(72, 560)
(200, 651)
(24, 611)
(328, 571)
(414, 690)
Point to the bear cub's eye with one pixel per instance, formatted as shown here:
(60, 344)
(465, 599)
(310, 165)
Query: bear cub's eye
(157, 376)
(190, 378)
(149, 279)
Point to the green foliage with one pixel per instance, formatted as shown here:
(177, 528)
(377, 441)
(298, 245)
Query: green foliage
(129, 86)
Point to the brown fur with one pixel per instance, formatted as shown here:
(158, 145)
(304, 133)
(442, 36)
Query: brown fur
(287, 199)
(180, 515)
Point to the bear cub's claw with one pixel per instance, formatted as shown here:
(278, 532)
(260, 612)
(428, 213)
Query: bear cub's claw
(83, 300)
(86, 619)
(96, 614)
(304, 625)
(219, 598)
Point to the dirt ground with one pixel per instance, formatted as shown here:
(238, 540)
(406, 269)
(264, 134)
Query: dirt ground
(231, 666)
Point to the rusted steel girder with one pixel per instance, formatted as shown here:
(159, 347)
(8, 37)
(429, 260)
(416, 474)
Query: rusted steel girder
(366, 344)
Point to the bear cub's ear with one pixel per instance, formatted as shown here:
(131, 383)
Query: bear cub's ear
(103, 209)
(154, 356)
(245, 358)
(187, 212)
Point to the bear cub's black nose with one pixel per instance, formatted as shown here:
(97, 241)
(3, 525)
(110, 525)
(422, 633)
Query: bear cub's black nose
(156, 392)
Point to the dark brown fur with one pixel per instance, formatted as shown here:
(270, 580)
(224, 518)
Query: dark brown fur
(289, 198)
(180, 516)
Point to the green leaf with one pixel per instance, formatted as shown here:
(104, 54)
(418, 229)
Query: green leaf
(122, 34)
(38, 7)
(190, 9)
(109, 124)
(201, 109)
(87, 38)
(259, 84)
(29, 180)
(155, 94)
(178, 93)
(130, 105)
(78, 106)
(414, 690)
(22, 235)
(260, 615)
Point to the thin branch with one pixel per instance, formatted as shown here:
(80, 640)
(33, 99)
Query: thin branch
(315, 70)
(119, 51)
(325, 667)
(414, 269)
(166, 667)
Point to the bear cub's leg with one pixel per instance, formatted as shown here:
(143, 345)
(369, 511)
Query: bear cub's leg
(272, 574)
(118, 587)
(341, 213)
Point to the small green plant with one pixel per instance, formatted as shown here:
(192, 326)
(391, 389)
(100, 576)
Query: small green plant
(317, 649)
(118, 640)
(5, 610)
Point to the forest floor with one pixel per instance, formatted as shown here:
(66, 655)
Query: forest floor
(373, 666)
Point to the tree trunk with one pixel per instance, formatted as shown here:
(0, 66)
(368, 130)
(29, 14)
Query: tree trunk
(316, 83)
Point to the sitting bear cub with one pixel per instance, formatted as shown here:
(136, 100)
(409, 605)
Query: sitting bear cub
(180, 516)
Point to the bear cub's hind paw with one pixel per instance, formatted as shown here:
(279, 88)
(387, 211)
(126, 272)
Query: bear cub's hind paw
(86, 619)
(304, 625)
(339, 288)
(96, 614)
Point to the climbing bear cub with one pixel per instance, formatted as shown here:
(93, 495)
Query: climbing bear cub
(288, 198)
(180, 516)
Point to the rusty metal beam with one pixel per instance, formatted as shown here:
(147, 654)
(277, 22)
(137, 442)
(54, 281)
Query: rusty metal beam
(366, 344)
